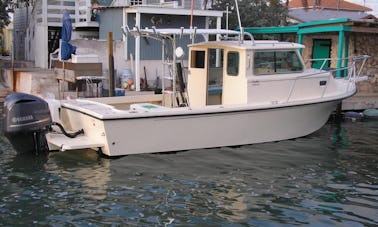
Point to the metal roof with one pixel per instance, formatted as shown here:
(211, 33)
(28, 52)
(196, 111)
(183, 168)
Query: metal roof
(328, 4)
(330, 25)
(308, 15)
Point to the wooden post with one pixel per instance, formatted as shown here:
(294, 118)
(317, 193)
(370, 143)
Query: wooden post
(111, 64)
(13, 74)
(191, 13)
(64, 79)
(340, 53)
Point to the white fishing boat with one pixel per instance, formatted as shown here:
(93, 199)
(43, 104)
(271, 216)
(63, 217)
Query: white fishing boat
(237, 92)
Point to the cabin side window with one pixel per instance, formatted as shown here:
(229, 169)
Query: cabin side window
(197, 59)
(232, 63)
(276, 62)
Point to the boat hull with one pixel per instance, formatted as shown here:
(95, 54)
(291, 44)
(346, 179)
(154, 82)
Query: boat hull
(124, 136)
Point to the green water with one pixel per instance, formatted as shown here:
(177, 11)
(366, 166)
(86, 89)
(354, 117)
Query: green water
(326, 179)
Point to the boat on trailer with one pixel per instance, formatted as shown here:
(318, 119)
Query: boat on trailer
(237, 92)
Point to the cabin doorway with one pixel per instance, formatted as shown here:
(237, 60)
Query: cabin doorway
(214, 77)
(321, 49)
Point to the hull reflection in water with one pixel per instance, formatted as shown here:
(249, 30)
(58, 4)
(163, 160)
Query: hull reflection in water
(85, 167)
(326, 179)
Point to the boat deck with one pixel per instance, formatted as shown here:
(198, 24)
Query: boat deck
(115, 110)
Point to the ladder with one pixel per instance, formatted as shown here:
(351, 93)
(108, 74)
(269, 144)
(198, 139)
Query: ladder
(172, 79)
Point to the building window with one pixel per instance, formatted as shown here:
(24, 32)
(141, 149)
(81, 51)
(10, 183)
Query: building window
(233, 63)
(276, 62)
(197, 59)
(136, 2)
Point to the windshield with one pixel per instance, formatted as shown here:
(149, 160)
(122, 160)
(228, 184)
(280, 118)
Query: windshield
(276, 62)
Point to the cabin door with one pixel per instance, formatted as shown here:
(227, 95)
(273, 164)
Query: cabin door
(214, 77)
(321, 48)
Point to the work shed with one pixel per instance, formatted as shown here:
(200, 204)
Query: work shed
(334, 38)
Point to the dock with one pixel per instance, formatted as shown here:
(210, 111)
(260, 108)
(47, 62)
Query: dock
(361, 101)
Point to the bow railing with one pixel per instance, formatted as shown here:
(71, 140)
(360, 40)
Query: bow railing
(352, 72)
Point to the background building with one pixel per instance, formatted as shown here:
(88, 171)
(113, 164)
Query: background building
(6, 40)
(332, 29)
(38, 27)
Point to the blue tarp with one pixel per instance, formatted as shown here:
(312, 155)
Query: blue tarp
(66, 49)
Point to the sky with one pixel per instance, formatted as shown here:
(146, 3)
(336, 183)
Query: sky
(372, 4)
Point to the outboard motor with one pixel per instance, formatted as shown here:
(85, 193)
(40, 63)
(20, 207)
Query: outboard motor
(26, 119)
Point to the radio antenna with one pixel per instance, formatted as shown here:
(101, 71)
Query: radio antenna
(240, 25)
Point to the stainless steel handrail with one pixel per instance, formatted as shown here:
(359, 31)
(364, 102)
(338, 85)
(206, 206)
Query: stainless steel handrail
(353, 76)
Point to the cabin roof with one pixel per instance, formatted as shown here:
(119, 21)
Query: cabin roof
(250, 45)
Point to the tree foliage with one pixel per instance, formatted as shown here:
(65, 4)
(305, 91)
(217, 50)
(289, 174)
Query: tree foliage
(5, 9)
(20, 3)
(253, 13)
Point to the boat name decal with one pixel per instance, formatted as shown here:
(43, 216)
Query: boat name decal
(22, 118)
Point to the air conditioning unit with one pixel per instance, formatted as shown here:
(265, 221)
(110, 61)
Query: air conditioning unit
(127, 2)
(170, 4)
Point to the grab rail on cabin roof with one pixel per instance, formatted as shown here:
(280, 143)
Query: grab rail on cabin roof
(351, 69)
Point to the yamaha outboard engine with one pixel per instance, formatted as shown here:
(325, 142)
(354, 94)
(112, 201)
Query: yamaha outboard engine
(26, 119)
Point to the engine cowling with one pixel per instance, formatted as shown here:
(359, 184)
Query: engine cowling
(26, 119)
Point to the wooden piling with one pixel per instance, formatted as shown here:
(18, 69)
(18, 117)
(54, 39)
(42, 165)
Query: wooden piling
(111, 64)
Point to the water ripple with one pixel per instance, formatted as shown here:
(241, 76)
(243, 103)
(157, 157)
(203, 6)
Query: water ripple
(326, 179)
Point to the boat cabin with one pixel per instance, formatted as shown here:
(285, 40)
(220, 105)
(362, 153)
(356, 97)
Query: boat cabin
(232, 72)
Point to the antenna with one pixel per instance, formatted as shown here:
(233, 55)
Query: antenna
(227, 5)
(237, 10)
(240, 25)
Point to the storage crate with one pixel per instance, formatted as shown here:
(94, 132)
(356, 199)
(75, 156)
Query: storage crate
(85, 58)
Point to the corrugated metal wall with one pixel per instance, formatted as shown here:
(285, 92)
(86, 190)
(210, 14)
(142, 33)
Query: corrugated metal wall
(111, 21)
(20, 20)
(151, 49)
(197, 4)
(185, 3)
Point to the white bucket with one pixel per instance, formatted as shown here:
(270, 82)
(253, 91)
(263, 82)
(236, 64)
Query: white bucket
(126, 76)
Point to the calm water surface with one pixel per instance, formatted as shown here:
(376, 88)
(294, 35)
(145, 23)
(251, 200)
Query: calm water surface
(329, 178)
